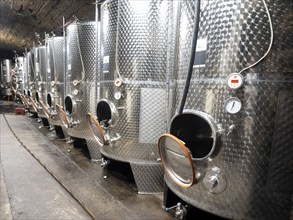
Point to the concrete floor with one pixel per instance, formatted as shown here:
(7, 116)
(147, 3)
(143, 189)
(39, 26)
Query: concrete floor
(5, 209)
(42, 177)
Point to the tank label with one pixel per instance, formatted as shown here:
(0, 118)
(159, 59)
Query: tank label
(200, 54)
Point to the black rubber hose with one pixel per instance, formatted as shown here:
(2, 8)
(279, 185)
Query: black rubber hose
(193, 48)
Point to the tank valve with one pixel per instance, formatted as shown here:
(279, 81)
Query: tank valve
(53, 114)
(180, 210)
(104, 162)
(74, 123)
(115, 139)
(95, 160)
(215, 180)
(212, 182)
(43, 126)
(75, 82)
(231, 129)
(69, 140)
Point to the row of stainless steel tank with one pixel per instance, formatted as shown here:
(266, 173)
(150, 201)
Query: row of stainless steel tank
(118, 83)
(12, 73)
(5, 77)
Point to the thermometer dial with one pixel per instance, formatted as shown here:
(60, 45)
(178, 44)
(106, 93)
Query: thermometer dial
(233, 105)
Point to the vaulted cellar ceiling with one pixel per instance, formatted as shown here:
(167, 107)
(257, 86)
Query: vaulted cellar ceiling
(21, 21)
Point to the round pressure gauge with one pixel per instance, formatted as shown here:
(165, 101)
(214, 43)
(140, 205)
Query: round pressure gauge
(75, 92)
(235, 80)
(233, 105)
(118, 95)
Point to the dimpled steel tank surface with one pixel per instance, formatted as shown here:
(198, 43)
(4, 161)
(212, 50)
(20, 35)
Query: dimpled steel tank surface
(80, 75)
(56, 82)
(237, 128)
(31, 92)
(29, 62)
(136, 44)
(41, 79)
(6, 66)
(20, 69)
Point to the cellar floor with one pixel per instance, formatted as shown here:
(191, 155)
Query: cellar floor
(43, 177)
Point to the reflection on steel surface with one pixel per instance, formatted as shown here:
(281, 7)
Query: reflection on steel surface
(141, 65)
(136, 43)
(251, 177)
(21, 74)
(31, 72)
(40, 79)
(5, 76)
(80, 76)
(56, 82)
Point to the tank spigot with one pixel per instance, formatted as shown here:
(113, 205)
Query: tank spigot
(53, 114)
(104, 162)
(215, 180)
(231, 129)
(69, 140)
(113, 140)
(180, 210)
(212, 182)
(109, 138)
(43, 126)
(73, 123)
(95, 160)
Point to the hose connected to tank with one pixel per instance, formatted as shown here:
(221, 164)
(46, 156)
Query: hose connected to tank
(192, 57)
(271, 41)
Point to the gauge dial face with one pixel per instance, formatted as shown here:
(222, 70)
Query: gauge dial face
(75, 92)
(233, 105)
(235, 80)
(118, 95)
